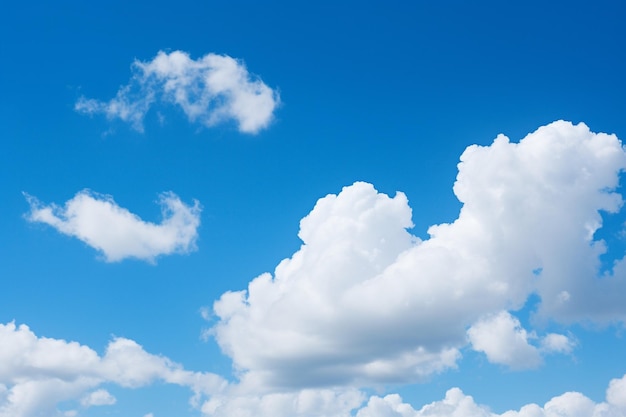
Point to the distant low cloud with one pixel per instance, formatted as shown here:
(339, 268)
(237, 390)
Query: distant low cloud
(38, 373)
(504, 341)
(336, 402)
(364, 302)
(116, 232)
(98, 397)
(47, 376)
(211, 90)
(457, 404)
(350, 402)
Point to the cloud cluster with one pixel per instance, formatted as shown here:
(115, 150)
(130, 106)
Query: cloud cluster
(350, 402)
(365, 302)
(116, 232)
(457, 404)
(211, 90)
(37, 373)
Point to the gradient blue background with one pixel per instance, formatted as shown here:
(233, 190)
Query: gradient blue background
(385, 92)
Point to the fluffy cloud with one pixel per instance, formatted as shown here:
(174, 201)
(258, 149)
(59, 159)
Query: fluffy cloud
(116, 232)
(616, 393)
(98, 397)
(211, 90)
(37, 373)
(504, 341)
(457, 404)
(557, 343)
(365, 302)
(350, 402)
(501, 337)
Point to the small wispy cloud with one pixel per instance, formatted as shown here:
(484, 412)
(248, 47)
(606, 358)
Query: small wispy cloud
(211, 90)
(116, 232)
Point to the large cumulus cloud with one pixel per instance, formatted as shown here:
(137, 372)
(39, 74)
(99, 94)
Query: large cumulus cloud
(363, 301)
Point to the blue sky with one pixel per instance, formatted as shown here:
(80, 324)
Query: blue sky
(326, 136)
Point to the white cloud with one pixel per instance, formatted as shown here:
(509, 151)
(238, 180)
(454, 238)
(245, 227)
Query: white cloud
(349, 402)
(504, 341)
(304, 403)
(365, 302)
(616, 393)
(211, 90)
(457, 404)
(37, 373)
(116, 232)
(502, 338)
(557, 343)
(98, 397)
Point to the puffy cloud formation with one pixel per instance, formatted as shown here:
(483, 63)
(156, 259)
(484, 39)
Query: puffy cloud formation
(504, 341)
(349, 402)
(616, 393)
(116, 232)
(211, 90)
(37, 373)
(457, 404)
(365, 302)
(557, 343)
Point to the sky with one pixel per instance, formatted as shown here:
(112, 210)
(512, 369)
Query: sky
(297, 209)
